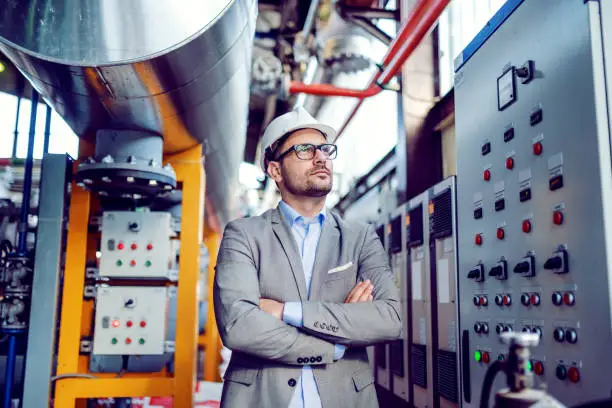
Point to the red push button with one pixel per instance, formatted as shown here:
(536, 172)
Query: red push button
(486, 175)
(149, 247)
(134, 246)
(510, 163)
(484, 301)
(558, 217)
(478, 239)
(500, 233)
(507, 300)
(569, 298)
(128, 341)
(129, 323)
(120, 246)
(537, 148)
(132, 263)
(526, 226)
(535, 299)
(143, 323)
(573, 374)
(538, 368)
(485, 357)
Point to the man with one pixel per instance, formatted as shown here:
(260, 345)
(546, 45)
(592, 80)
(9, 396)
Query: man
(299, 293)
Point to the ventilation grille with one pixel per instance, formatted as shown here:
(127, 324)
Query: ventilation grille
(415, 229)
(447, 375)
(418, 365)
(441, 221)
(397, 357)
(381, 355)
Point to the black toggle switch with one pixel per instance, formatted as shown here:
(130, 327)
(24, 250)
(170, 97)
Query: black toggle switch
(526, 267)
(500, 271)
(558, 263)
(477, 273)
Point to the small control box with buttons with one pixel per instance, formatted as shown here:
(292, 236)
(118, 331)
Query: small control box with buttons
(130, 320)
(136, 245)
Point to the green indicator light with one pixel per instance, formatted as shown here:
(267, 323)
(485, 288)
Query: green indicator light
(148, 263)
(114, 340)
(119, 263)
(529, 366)
(477, 355)
(501, 357)
(141, 341)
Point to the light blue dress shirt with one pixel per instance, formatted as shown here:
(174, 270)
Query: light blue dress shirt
(306, 232)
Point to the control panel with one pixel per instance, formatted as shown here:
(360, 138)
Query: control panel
(534, 193)
(130, 320)
(421, 348)
(136, 244)
(398, 350)
(443, 255)
(382, 362)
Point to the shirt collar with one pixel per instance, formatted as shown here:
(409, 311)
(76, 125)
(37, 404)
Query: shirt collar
(292, 216)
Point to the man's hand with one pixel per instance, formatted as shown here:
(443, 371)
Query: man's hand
(362, 292)
(272, 307)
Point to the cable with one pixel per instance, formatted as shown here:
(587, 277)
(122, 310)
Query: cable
(73, 375)
(487, 385)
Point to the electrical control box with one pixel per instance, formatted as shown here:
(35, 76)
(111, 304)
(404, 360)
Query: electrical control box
(421, 349)
(443, 255)
(382, 364)
(130, 320)
(398, 350)
(136, 245)
(534, 183)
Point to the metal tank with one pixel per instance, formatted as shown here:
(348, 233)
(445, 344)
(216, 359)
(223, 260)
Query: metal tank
(178, 69)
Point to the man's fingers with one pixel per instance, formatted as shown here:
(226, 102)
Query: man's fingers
(354, 293)
(360, 292)
(365, 295)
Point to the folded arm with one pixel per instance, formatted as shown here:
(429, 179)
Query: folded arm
(360, 323)
(243, 326)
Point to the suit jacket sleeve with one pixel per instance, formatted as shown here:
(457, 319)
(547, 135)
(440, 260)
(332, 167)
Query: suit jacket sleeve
(242, 325)
(363, 323)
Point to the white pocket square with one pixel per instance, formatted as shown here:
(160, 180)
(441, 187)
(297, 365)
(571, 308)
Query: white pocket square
(340, 268)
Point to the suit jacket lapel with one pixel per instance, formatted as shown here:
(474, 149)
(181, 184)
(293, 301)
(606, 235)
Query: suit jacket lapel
(327, 252)
(283, 233)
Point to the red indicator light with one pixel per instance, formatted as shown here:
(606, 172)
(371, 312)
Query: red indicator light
(478, 239)
(120, 246)
(483, 301)
(486, 175)
(573, 374)
(507, 300)
(129, 323)
(526, 226)
(535, 299)
(485, 357)
(134, 246)
(558, 218)
(143, 324)
(509, 163)
(569, 298)
(500, 233)
(149, 247)
(538, 368)
(115, 323)
(537, 148)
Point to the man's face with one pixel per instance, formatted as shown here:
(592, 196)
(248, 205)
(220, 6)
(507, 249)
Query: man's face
(311, 178)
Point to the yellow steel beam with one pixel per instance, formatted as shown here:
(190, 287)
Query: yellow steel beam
(70, 389)
(189, 170)
(213, 341)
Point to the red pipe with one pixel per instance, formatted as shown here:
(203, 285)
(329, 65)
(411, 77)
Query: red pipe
(422, 18)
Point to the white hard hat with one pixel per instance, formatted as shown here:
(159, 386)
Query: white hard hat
(297, 119)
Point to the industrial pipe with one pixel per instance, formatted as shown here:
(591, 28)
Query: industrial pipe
(423, 17)
(47, 131)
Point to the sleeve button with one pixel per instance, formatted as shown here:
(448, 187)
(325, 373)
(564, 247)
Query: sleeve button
(291, 382)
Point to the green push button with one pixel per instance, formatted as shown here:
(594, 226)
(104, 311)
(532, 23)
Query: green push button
(501, 357)
(141, 341)
(477, 355)
(529, 366)
(148, 263)
(114, 341)
(119, 263)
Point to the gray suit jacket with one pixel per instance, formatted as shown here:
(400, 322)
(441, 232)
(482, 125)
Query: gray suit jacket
(258, 258)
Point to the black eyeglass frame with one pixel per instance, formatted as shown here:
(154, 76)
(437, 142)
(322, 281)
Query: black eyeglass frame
(293, 148)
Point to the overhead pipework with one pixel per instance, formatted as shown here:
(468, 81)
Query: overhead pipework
(179, 73)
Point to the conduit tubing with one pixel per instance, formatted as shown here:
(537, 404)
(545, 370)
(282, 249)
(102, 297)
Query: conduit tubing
(412, 32)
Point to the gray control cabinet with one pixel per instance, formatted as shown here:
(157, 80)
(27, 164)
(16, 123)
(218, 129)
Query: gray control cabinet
(534, 180)
(382, 364)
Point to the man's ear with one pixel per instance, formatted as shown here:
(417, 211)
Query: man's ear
(274, 171)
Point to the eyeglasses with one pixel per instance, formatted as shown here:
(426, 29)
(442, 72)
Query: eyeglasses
(307, 151)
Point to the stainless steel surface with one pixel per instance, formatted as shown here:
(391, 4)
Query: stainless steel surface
(180, 71)
(570, 88)
(56, 170)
